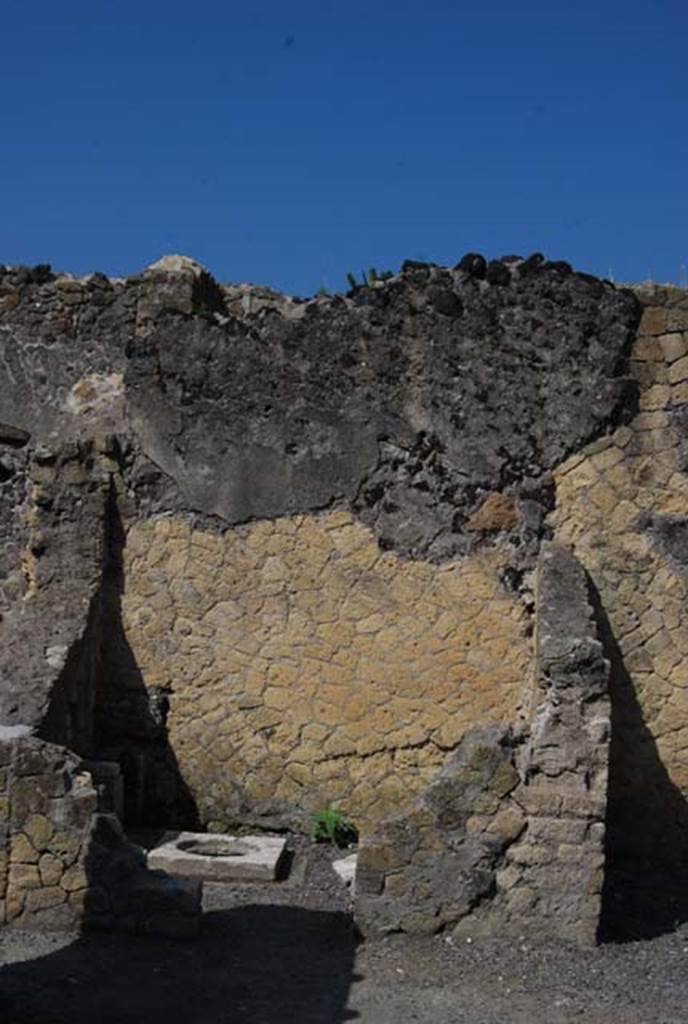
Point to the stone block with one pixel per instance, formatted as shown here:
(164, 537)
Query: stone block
(219, 858)
(23, 876)
(75, 810)
(504, 779)
(557, 830)
(371, 881)
(509, 876)
(50, 869)
(36, 758)
(674, 346)
(527, 854)
(109, 785)
(678, 371)
(394, 885)
(646, 349)
(418, 923)
(66, 845)
(44, 898)
(677, 319)
(22, 850)
(14, 904)
(34, 796)
(39, 830)
(508, 823)
(653, 320)
(74, 878)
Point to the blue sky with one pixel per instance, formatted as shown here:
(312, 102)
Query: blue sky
(286, 143)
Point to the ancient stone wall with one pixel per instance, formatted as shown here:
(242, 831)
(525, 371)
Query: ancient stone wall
(64, 865)
(306, 667)
(50, 648)
(13, 486)
(510, 836)
(622, 506)
(304, 568)
(48, 819)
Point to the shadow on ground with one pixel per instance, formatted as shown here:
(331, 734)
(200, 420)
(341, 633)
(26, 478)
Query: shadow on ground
(251, 965)
(645, 890)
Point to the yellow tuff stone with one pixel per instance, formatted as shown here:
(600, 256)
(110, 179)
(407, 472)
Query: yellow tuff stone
(653, 321)
(349, 638)
(647, 348)
(22, 851)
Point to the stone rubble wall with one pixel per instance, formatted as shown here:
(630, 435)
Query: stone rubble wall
(66, 866)
(49, 812)
(622, 506)
(305, 666)
(48, 654)
(510, 835)
(14, 460)
(64, 861)
(304, 569)
(554, 872)
(63, 342)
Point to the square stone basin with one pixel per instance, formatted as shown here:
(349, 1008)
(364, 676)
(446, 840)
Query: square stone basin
(218, 857)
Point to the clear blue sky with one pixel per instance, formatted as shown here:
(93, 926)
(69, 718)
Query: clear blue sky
(286, 143)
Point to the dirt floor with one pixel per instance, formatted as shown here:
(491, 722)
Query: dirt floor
(288, 952)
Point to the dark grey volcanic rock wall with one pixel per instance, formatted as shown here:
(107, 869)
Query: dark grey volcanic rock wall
(53, 332)
(412, 399)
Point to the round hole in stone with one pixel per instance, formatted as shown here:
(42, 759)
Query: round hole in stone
(215, 846)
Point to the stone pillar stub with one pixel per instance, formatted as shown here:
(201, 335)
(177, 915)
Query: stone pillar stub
(510, 835)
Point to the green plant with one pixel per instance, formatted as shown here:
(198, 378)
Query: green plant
(368, 278)
(329, 826)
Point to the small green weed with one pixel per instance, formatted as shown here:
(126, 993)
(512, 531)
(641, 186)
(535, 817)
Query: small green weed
(368, 278)
(329, 826)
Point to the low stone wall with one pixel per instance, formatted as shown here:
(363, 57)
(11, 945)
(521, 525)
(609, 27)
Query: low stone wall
(510, 836)
(51, 807)
(66, 866)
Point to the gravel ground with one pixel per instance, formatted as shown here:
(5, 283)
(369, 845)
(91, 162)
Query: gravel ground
(288, 954)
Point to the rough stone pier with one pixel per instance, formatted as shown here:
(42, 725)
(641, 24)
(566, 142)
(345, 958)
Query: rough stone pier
(418, 553)
(510, 835)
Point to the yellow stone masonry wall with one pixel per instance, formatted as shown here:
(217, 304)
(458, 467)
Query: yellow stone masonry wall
(602, 494)
(310, 667)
